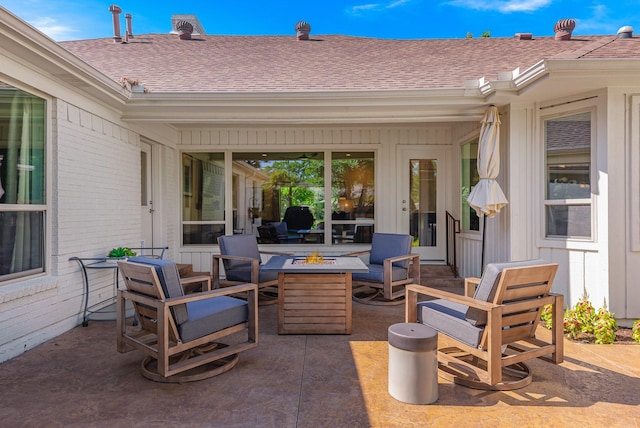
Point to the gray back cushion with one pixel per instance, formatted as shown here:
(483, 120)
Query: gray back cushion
(487, 288)
(386, 245)
(238, 245)
(169, 277)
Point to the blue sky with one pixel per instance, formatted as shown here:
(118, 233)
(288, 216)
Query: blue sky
(404, 19)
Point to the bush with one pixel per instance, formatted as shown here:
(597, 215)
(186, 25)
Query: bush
(636, 331)
(584, 322)
(547, 316)
(605, 326)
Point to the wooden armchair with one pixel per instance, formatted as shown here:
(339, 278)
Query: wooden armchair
(495, 330)
(179, 333)
(242, 261)
(391, 266)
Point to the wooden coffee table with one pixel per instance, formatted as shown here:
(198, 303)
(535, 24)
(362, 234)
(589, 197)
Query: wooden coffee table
(314, 298)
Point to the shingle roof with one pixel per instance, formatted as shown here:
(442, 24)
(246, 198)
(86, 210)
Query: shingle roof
(164, 63)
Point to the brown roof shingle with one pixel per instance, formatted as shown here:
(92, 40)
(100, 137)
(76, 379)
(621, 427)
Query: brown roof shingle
(164, 63)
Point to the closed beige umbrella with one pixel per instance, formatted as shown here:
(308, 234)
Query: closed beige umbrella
(487, 197)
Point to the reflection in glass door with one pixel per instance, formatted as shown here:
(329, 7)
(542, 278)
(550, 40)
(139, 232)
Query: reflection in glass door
(423, 177)
(422, 200)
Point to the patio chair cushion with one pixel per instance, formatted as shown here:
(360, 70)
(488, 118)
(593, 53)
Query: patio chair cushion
(486, 290)
(169, 277)
(243, 274)
(238, 245)
(449, 318)
(211, 315)
(376, 274)
(386, 245)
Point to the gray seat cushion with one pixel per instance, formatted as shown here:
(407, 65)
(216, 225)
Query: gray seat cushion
(486, 290)
(243, 274)
(238, 245)
(376, 274)
(449, 318)
(169, 277)
(211, 315)
(386, 245)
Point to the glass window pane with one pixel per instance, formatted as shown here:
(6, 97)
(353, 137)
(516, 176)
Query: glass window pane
(568, 174)
(22, 182)
(469, 178)
(21, 243)
(201, 234)
(423, 181)
(279, 196)
(568, 221)
(22, 147)
(352, 197)
(568, 157)
(203, 187)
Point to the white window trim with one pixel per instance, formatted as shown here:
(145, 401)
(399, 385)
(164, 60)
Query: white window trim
(556, 110)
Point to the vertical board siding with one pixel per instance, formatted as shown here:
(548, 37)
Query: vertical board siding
(382, 138)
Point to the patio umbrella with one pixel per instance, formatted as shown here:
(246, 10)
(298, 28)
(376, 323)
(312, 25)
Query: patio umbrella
(487, 197)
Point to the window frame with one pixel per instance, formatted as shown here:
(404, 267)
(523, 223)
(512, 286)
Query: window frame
(579, 107)
(44, 208)
(326, 155)
(468, 141)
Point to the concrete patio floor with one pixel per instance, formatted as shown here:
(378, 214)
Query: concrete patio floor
(79, 380)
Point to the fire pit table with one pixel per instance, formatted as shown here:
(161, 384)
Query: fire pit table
(314, 294)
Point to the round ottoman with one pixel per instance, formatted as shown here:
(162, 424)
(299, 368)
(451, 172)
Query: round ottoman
(413, 363)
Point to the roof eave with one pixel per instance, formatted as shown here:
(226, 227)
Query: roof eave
(27, 45)
(336, 107)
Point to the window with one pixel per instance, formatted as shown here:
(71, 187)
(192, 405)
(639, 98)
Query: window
(280, 197)
(22, 183)
(352, 197)
(568, 176)
(469, 178)
(203, 205)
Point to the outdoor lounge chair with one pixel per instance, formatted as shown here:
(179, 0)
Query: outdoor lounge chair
(179, 333)
(391, 266)
(495, 330)
(242, 261)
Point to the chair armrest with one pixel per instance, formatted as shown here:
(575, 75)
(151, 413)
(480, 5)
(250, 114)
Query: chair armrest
(196, 279)
(470, 285)
(229, 257)
(403, 257)
(413, 290)
(215, 269)
(211, 294)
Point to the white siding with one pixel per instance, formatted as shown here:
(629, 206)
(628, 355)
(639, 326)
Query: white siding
(94, 177)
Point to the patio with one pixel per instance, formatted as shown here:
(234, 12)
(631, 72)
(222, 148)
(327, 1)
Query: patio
(78, 379)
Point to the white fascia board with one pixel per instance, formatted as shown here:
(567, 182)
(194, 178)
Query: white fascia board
(26, 44)
(306, 107)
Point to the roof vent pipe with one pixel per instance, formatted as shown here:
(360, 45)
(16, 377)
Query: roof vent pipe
(185, 29)
(625, 32)
(129, 30)
(564, 28)
(302, 30)
(115, 10)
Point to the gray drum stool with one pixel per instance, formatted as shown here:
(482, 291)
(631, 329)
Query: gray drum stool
(413, 363)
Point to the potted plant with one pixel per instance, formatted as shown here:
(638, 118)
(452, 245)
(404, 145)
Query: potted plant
(120, 253)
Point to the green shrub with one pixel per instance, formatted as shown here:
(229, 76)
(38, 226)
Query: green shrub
(547, 316)
(584, 322)
(580, 319)
(636, 331)
(605, 326)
